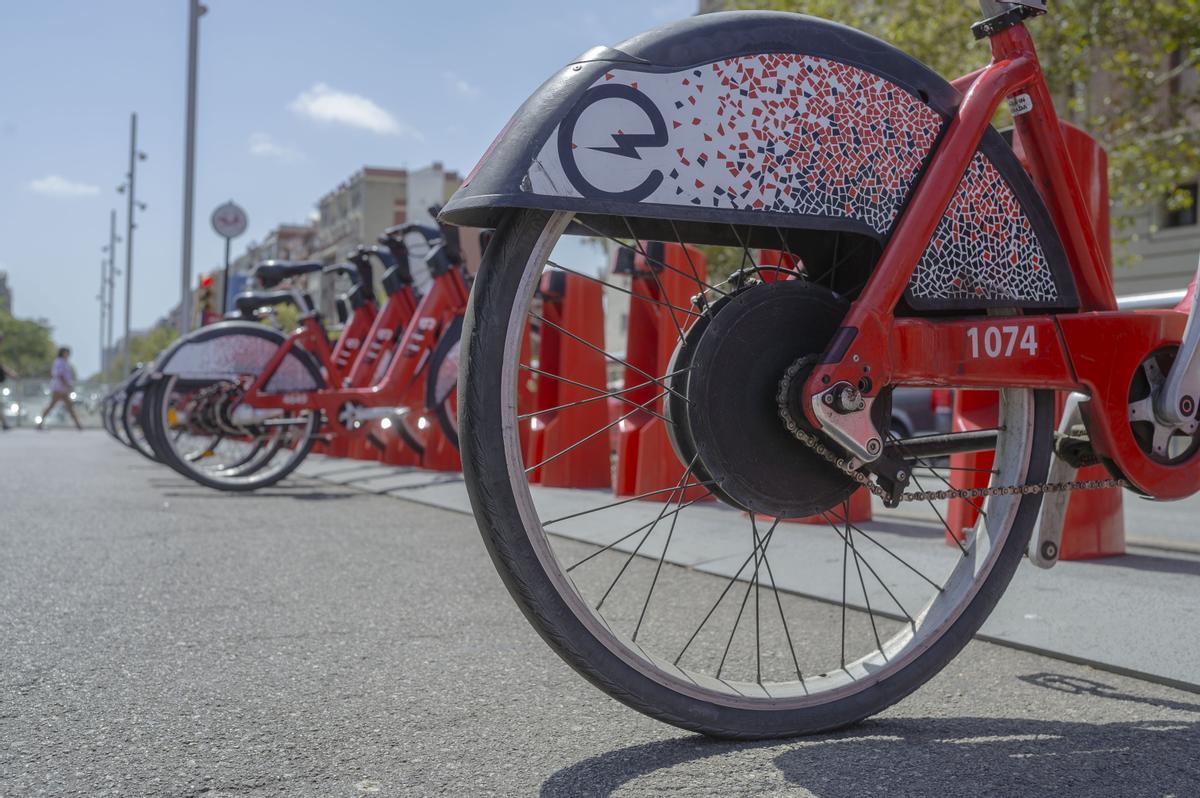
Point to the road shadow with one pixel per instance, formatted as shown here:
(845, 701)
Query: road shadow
(1076, 685)
(935, 756)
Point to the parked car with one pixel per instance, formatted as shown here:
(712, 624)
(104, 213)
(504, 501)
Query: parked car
(921, 411)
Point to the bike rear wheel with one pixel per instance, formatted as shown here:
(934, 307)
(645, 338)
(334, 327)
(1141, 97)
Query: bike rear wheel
(130, 419)
(679, 606)
(212, 452)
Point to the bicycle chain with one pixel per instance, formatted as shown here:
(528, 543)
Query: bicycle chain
(844, 465)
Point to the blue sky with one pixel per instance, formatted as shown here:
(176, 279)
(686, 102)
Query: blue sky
(293, 98)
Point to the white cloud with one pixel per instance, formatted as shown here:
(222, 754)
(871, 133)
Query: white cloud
(262, 145)
(326, 104)
(460, 86)
(59, 186)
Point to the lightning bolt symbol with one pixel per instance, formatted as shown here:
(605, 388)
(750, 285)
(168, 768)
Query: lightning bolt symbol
(627, 144)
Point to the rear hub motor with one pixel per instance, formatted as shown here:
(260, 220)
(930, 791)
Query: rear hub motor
(736, 381)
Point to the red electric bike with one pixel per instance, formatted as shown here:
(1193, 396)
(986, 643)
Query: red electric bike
(920, 248)
(248, 385)
(198, 441)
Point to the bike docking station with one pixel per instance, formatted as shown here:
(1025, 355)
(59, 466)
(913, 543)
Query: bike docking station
(1093, 521)
(565, 404)
(663, 279)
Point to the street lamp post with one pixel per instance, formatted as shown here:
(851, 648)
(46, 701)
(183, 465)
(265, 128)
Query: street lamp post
(130, 186)
(113, 240)
(102, 297)
(195, 10)
(107, 287)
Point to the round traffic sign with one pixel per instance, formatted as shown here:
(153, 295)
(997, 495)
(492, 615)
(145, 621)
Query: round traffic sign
(229, 220)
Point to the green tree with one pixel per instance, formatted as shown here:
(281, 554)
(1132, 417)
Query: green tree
(27, 348)
(1118, 69)
(143, 348)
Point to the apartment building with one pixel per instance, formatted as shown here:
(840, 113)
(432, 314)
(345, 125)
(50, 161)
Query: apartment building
(374, 199)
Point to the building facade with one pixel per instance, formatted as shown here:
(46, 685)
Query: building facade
(374, 199)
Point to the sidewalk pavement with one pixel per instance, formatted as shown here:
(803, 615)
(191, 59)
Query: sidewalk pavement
(1134, 614)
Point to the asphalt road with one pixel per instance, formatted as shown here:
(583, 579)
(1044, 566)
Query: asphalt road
(160, 639)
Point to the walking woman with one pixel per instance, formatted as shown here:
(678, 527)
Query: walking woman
(62, 382)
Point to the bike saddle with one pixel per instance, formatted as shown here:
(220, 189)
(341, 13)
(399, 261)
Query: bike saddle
(250, 301)
(271, 273)
(399, 274)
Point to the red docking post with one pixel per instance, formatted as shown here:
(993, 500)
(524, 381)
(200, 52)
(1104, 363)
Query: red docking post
(440, 453)
(570, 346)
(665, 278)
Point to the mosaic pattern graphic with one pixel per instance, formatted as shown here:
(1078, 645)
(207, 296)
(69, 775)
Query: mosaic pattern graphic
(984, 247)
(230, 355)
(793, 134)
(785, 133)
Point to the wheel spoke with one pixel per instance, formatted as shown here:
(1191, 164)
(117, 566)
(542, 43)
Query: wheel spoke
(732, 580)
(649, 532)
(602, 395)
(863, 584)
(700, 284)
(849, 540)
(667, 545)
(628, 535)
(654, 261)
(642, 297)
(589, 436)
(891, 553)
(654, 274)
(942, 518)
(639, 497)
(608, 355)
(782, 619)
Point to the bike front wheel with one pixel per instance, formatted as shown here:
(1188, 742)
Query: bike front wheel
(697, 612)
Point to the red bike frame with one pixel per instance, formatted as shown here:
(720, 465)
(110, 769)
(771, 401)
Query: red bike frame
(399, 385)
(1095, 351)
(396, 315)
(350, 344)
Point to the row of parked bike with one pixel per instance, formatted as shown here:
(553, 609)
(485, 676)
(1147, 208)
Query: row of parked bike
(386, 380)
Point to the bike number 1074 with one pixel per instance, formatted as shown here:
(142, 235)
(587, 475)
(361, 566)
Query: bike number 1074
(1003, 341)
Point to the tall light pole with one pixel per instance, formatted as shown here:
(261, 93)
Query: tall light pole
(102, 297)
(113, 240)
(130, 186)
(195, 10)
(108, 288)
